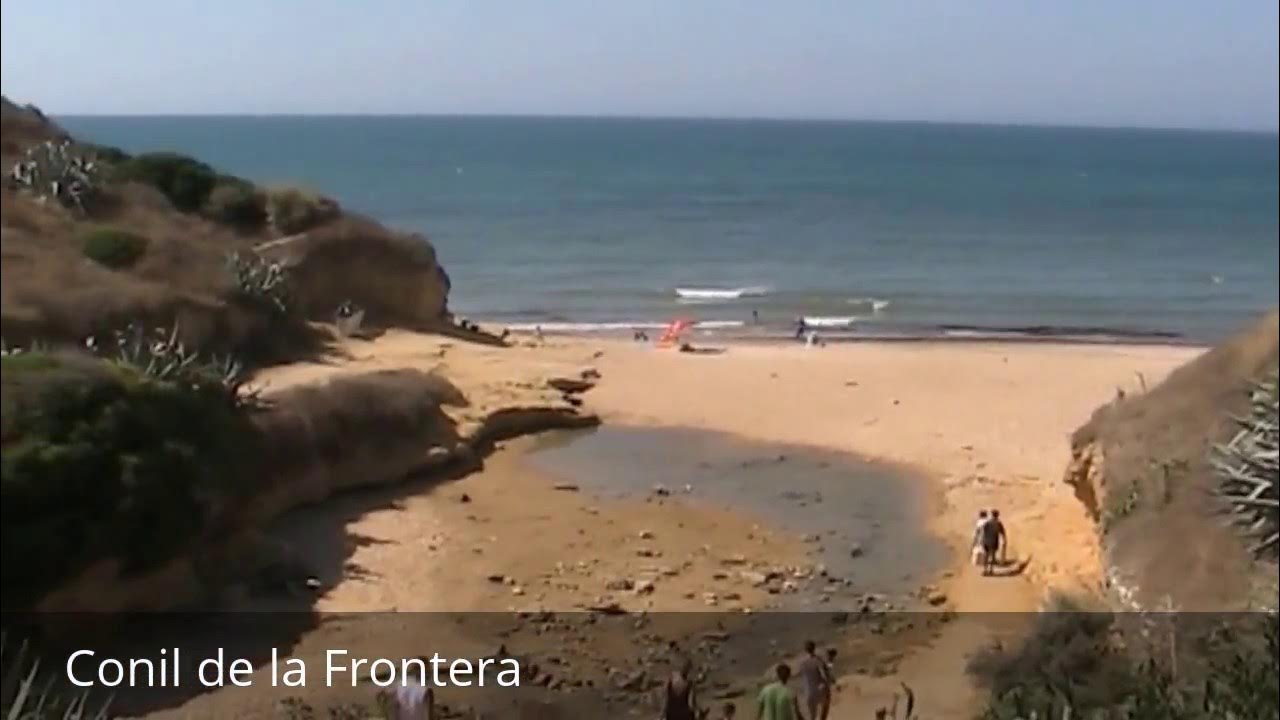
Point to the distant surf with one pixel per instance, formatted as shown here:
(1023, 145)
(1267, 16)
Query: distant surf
(615, 327)
(828, 321)
(715, 294)
(876, 304)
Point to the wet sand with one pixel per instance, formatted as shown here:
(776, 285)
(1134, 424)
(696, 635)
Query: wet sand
(866, 523)
(986, 425)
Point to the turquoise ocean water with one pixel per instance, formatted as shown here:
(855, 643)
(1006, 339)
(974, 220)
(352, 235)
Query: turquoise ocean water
(864, 228)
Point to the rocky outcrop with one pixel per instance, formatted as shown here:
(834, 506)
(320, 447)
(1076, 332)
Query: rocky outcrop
(394, 276)
(1140, 466)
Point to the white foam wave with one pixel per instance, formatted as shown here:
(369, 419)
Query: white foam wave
(710, 294)
(877, 304)
(830, 321)
(718, 324)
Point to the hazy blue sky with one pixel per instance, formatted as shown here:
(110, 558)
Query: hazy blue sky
(1185, 63)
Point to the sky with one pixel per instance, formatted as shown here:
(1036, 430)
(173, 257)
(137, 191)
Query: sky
(1143, 63)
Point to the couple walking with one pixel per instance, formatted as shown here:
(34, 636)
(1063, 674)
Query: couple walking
(990, 541)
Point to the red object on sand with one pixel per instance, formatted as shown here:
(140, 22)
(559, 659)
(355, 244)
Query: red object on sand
(671, 335)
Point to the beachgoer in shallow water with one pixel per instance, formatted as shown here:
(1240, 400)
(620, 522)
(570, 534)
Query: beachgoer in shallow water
(681, 702)
(817, 682)
(992, 534)
(755, 317)
(777, 701)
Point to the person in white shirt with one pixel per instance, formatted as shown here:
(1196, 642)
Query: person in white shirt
(415, 701)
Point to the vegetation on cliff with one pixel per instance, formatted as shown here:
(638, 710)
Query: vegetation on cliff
(103, 460)
(1136, 666)
(1248, 469)
(65, 200)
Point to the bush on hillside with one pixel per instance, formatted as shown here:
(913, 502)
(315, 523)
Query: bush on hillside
(112, 247)
(187, 182)
(102, 461)
(236, 203)
(108, 154)
(1122, 666)
(293, 210)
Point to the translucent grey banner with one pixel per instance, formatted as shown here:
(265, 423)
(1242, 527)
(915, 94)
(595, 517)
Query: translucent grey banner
(611, 664)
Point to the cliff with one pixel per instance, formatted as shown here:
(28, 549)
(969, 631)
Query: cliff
(147, 238)
(1141, 465)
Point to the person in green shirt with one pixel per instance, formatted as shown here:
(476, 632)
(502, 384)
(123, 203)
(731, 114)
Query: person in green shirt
(777, 701)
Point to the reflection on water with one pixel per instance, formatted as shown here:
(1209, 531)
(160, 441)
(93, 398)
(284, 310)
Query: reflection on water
(866, 519)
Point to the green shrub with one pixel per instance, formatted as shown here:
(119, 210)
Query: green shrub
(185, 181)
(113, 247)
(101, 461)
(236, 203)
(1130, 666)
(293, 210)
(108, 154)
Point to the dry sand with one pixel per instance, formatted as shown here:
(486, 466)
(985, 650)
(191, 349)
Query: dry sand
(990, 422)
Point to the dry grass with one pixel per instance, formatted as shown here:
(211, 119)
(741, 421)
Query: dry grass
(1161, 523)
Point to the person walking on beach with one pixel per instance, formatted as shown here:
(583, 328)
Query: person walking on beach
(991, 534)
(680, 701)
(1003, 536)
(776, 700)
(414, 701)
(976, 546)
(817, 682)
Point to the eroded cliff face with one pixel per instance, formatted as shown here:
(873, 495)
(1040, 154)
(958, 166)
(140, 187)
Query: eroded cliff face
(394, 276)
(1140, 466)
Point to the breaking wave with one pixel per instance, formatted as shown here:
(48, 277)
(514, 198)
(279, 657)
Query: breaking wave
(876, 304)
(713, 294)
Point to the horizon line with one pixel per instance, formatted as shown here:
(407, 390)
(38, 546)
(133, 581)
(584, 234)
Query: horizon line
(674, 118)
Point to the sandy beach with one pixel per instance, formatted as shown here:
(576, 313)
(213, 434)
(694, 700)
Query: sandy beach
(987, 424)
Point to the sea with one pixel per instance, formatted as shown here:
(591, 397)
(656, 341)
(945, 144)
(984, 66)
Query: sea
(864, 230)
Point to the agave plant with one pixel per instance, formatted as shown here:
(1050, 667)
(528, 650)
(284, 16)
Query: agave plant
(28, 694)
(1247, 469)
(162, 354)
(58, 170)
(260, 279)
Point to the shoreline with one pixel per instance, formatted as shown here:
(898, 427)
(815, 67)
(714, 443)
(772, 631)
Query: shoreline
(621, 332)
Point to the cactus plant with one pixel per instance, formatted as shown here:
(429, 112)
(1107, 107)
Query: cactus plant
(1247, 469)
